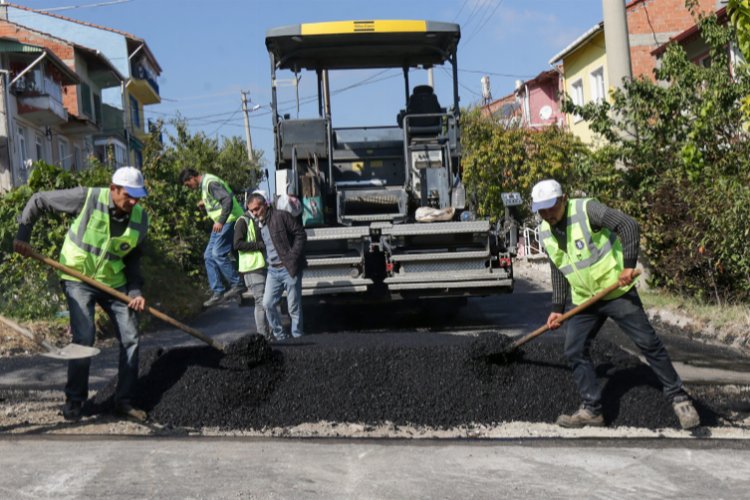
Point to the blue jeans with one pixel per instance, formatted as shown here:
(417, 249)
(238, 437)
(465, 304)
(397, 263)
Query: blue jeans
(81, 301)
(218, 263)
(277, 282)
(627, 311)
(256, 282)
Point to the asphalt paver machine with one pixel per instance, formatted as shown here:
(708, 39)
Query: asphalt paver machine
(383, 205)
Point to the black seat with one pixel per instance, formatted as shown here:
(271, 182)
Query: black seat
(423, 101)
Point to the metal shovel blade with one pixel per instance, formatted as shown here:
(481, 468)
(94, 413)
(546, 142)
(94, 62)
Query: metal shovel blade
(71, 351)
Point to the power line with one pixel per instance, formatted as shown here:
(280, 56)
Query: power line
(482, 72)
(460, 10)
(486, 20)
(224, 123)
(86, 6)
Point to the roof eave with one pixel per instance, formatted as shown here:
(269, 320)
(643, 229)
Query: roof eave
(578, 42)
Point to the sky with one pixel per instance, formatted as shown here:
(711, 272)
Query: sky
(212, 50)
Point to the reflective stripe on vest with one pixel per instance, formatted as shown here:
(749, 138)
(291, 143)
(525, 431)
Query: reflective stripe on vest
(250, 261)
(213, 207)
(88, 246)
(591, 260)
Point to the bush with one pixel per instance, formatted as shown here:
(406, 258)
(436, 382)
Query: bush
(172, 266)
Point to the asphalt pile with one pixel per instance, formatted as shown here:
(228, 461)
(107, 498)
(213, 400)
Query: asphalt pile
(462, 382)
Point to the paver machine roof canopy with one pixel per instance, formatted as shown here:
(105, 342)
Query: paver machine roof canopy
(362, 187)
(362, 44)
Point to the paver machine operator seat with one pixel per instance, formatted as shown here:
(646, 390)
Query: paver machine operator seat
(422, 101)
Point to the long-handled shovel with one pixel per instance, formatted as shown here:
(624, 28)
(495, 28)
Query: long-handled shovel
(70, 351)
(125, 298)
(593, 300)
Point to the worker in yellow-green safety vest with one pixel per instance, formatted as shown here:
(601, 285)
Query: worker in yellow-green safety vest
(223, 209)
(590, 247)
(252, 262)
(104, 243)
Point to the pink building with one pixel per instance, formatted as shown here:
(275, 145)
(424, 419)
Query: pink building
(534, 104)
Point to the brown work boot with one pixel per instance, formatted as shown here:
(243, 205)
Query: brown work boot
(685, 412)
(581, 418)
(127, 410)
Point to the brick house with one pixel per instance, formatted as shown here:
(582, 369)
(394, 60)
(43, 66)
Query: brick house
(125, 129)
(651, 23)
(53, 102)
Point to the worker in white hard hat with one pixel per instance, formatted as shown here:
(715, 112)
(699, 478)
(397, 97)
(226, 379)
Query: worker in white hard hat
(591, 246)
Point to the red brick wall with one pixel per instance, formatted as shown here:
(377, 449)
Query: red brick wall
(58, 47)
(661, 17)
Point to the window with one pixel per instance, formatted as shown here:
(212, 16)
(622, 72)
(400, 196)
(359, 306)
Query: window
(597, 85)
(576, 91)
(98, 109)
(86, 100)
(39, 148)
(63, 159)
(135, 117)
(76, 158)
(22, 152)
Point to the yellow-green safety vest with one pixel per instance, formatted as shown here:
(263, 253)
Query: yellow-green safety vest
(250, 261)
(213, 207)
(590, 261)
(88, 246)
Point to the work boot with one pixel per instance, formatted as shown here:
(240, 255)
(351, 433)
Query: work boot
(72, 410)
(125, 409)
(233, 292)
(581, 418)
(216, 298)
(685, 412)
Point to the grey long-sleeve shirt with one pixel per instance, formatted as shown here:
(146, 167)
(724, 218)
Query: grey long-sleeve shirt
(600, 216)
(224, 199)
(71, 201)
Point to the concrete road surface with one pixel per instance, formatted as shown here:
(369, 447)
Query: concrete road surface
(112, 468)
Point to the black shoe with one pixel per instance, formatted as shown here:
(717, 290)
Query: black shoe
(127, 410)
(233, 292)
(72, 410)
(215, 299)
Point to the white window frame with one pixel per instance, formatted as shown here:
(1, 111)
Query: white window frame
(598, 90)
(62, 152)
(576, 95)
(23, 153)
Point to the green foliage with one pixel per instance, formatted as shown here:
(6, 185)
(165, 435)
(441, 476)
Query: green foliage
(499, 159)
(679, 161)
(739, 13)
(173, 265)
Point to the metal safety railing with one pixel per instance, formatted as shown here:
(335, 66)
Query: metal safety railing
(529, 244)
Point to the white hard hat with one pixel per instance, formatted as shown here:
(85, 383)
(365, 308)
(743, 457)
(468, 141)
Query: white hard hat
(545, 194)
(131, 179)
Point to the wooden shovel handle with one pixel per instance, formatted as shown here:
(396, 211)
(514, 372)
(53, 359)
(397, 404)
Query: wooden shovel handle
(596, 298)
(126, 298)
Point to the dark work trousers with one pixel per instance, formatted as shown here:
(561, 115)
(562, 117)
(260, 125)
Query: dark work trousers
(81, 301)
(627, 311)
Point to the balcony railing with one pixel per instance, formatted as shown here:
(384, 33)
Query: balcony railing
(142, 73)
(33, 85)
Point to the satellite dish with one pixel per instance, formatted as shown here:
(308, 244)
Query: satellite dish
(545, 113)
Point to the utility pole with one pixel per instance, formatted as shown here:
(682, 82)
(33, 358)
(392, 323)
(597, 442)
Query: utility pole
(248, 140)
(616, 40)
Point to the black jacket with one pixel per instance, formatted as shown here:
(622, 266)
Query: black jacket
(288, 238)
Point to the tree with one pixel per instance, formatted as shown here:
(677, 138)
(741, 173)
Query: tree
(679, 161)
(498, 159)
